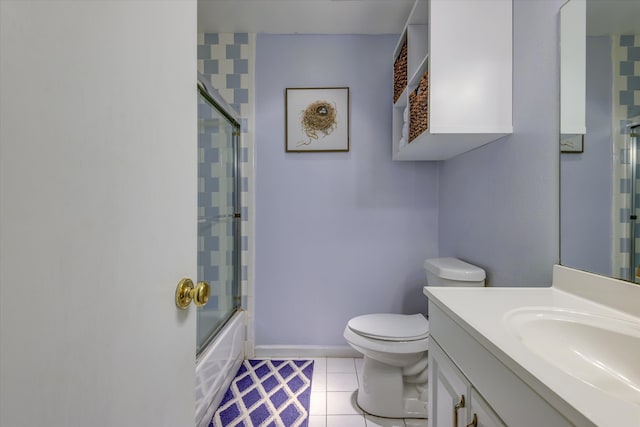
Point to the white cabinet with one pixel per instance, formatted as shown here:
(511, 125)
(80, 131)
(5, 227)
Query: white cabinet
(458, 364)
(448, 390)
(452, 400)
(461, 51)
(482, 415)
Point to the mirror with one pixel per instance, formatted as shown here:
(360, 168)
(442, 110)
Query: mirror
(600, 123)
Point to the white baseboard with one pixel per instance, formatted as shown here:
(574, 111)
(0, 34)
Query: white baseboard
(268, 351)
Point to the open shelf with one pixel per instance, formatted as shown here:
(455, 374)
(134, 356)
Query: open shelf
(466, 47)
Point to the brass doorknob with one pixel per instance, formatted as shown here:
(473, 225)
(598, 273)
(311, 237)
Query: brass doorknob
(186, 292)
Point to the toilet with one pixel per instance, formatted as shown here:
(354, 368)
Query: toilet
(393, 381)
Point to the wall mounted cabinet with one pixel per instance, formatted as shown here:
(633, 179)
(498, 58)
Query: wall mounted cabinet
(458, 89)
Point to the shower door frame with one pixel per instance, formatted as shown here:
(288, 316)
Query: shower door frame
(221, 107)
(634, 129)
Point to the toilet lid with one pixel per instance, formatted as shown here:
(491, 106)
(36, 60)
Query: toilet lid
(391, 327)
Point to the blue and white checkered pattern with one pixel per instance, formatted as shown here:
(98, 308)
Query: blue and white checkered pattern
(273, 393)
(215, 209)
(629, 95)
(226, 59)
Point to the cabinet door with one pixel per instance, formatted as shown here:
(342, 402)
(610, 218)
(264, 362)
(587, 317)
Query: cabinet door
(481, 414)
(448, 391)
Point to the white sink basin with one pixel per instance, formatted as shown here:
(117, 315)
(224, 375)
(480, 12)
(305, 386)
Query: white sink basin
(601, 351)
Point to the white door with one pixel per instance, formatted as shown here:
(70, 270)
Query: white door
(97, 212)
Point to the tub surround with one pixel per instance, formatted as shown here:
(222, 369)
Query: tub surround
(226, 63)
(217, 366)
(479, 313)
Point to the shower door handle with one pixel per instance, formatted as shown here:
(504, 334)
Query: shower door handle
(186, 292)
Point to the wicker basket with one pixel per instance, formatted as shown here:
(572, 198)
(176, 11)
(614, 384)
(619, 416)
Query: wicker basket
(400, 72)
(419, 108)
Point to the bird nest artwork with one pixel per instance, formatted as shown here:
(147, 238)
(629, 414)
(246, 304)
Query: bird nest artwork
(317, 119)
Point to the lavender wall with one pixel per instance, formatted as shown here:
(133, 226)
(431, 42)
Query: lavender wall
(337, 234)
(499, 204)
(586, 184)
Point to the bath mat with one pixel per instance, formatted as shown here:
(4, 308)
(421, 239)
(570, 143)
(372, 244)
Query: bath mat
(267, 393)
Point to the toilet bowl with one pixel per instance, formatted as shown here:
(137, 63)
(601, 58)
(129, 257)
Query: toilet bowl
(393, 381)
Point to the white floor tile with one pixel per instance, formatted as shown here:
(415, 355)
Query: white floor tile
(317, 421)
(410, 422)
(342, 403)
(341, 365)
(319, 364)
(345, 421)
(383, 422)
(333, 397)
(341, 382)
(319, 381)
(318, 403)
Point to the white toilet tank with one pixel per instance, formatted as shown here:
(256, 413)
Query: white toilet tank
(453, 272)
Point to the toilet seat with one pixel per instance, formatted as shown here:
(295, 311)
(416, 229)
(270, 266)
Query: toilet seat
(391, 327)
(367, 345)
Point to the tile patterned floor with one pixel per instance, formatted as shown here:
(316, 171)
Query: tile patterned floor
(333, 404)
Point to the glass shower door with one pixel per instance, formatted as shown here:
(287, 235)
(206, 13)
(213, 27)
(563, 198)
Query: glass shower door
(218, 217)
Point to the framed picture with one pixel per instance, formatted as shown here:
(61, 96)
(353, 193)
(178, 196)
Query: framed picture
(317, 119)
(572, 143)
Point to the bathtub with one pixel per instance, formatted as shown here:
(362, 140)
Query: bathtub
(217, 365)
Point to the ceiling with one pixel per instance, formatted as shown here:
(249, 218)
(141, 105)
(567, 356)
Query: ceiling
(366, 16)
(303, 16)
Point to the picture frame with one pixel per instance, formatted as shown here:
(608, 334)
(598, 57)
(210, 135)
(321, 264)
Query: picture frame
(317, 119)
(572, 143)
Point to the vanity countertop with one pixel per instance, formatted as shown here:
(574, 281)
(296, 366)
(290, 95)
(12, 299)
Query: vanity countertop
(481, 312)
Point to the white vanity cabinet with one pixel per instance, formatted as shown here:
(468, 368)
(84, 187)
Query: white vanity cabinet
(460, 365)
(482, 415)
(453, 401)
(456, 84)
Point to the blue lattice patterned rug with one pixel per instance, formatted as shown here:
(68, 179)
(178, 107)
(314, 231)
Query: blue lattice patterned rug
(267, 393)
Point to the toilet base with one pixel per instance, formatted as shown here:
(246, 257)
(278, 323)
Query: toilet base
(384, 392)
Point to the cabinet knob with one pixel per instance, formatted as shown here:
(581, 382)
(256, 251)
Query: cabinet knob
(458, 406)
(474, 421)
